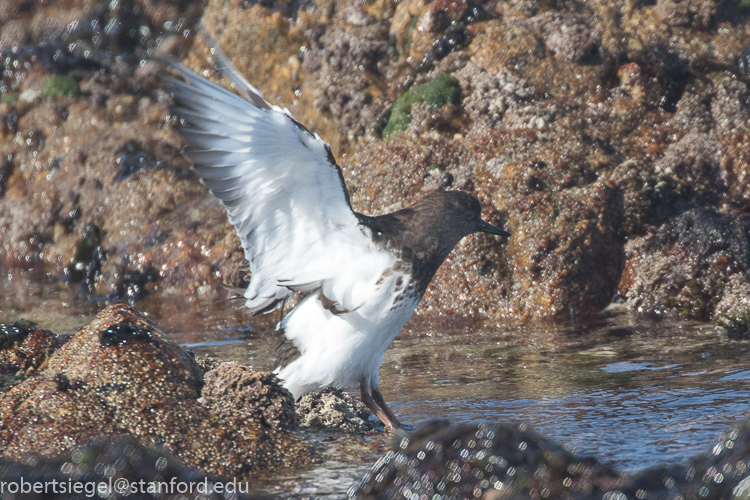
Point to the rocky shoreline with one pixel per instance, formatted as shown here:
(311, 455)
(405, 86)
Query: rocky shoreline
(611, 138)
(120, 401)
(122, 377)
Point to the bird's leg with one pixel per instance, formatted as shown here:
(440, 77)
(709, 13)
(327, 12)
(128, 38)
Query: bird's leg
(368, 400)
(378, 397)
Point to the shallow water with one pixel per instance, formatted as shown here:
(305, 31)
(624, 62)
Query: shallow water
(632, 392)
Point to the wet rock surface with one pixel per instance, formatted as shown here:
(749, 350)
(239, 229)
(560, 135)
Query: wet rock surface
(584, 127)
(24, 349)
(333, 409)
(733, 310)
(233, 390)
(684, 265)
(97, 466)
(497, 461)
(122, 377)
(512, 461)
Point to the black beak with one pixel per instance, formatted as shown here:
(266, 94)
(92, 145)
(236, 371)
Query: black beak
(486, 227)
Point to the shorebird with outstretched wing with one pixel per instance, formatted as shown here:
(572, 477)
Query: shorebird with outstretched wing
(361, 277)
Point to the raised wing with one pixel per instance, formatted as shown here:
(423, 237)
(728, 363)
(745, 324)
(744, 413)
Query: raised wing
(282, 190)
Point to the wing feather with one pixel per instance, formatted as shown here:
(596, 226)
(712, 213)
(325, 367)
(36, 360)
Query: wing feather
(283, 193)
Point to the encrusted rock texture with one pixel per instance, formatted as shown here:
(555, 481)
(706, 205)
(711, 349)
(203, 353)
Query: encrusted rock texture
(99, 462)
(121, 378)
(25, 349)
(494, 461)
(232, 390)
(610, 138)
(333, 409)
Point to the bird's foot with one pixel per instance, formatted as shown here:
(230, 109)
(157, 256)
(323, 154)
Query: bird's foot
(375, 402)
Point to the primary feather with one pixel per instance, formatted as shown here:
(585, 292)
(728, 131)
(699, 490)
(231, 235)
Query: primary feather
(283, 194)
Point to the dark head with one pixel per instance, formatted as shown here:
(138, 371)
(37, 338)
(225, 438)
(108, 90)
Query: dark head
(459, 211)
(428, 230)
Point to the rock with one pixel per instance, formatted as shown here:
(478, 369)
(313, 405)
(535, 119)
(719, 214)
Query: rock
(568, 36)
(683, 266)
(699, 13)
(641, 194)
(566, 250)
(730, 106)
(442, 90)
(648, 98)
(492, 461)
(426, 118)
(720, 472)
(61, 85)
(692, 166)
(733, 310)
(744, 63)
(24, 349)
(86, 265)
(122, 108)
(333, 409)
(121, 376)
(208, 362)
(438, 29)
(693, 111)
(111, 172)
(346, 66)
(259, 39)
(427, 163)
(91, 468)
(234, 391)
(482, 461)
(572, 41)
(487, 97)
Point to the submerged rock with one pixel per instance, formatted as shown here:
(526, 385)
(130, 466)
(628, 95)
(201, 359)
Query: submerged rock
(719, 473)
(121, 376)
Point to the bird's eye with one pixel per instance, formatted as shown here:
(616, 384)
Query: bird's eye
(378, 233)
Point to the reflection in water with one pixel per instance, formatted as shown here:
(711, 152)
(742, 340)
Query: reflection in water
(632, 392)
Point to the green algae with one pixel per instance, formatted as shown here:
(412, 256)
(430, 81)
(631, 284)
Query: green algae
(10, 380)
(9, 98)
(61, 85)
(412, 27)
(441, 90)
(735, 323)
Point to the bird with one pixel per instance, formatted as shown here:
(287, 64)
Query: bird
(359, 278)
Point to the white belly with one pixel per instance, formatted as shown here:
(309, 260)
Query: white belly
(339, 350)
